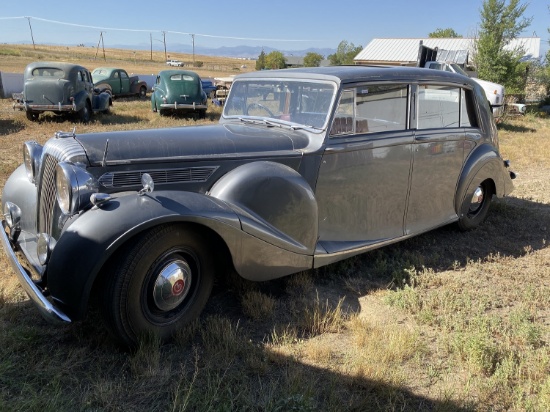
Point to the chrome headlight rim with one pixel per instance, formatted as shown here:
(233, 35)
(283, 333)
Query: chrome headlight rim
(73, 187)
(12, 214)
(66, 188)
(32, 154)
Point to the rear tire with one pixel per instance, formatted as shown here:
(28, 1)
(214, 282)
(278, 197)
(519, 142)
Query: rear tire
(32, 116)
(159, 283)
(476, 207)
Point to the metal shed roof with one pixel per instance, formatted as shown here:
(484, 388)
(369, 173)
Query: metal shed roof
(405, 51)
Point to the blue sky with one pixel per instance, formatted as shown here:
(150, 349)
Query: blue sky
(280, 24)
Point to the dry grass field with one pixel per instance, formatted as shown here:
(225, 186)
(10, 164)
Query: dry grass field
(445, 321)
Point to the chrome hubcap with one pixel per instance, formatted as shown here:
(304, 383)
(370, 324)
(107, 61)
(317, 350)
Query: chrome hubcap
(172, 285)
(477, 199)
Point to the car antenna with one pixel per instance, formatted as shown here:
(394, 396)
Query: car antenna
(104, 161)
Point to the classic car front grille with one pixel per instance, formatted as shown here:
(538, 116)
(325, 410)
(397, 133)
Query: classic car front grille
(47, 194)
(133, 178)
(55, 150)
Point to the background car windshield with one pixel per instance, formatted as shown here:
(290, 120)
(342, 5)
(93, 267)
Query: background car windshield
(100, 74)
(306, 103)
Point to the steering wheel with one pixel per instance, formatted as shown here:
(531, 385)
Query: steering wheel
(259, 106)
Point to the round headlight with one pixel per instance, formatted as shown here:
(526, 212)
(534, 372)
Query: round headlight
(32, 152)
(74, 186)
(66, 187)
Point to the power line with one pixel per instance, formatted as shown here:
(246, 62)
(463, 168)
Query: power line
(155, 31)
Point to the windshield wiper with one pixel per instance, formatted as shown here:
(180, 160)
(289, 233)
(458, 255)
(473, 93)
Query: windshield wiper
(259, 121)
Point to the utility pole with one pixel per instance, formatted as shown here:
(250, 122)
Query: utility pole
(102, 46)
(193, 37)
(32, 37)
(164, 41)
(151, 38)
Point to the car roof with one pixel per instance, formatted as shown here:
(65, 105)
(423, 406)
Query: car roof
(167, 73)
(353, 74)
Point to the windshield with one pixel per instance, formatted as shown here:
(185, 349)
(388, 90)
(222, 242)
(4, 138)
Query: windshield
(295, 101)
(99, 74)
(459, 69)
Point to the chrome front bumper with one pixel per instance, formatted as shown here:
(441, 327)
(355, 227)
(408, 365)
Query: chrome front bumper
(45, 307)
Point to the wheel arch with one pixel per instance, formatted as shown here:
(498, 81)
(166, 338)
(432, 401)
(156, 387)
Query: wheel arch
(484, 164)
(89, 244)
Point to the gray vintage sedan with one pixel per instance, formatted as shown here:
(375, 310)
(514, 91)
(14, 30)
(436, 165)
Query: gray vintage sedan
(307, 167)
(61, 88)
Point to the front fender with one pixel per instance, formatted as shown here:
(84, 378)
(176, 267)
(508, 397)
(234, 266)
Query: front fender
(275, 204)
(484, 163)
(90, 239)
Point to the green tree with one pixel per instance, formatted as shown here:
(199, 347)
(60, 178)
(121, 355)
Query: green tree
(444, 34)
(260, 63)
(500, 24)
(312, 59)
(344, 53)
(275, 60)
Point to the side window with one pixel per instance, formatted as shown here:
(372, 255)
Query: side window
(371, 109)
(438, 107)
(79, 76)
(381, 108)
(123, 75)
(345, 115)
(468, 116)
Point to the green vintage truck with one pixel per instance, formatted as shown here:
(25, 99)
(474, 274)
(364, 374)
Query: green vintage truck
(118, 83)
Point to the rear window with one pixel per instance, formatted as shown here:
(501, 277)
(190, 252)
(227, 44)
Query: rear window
(52, 72)
(182, 77)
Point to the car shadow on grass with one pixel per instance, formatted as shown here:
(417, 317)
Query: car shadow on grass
(516, 128)
(10, 126)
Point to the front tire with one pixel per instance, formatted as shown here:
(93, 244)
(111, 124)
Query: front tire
(475, 208)
(85, 113)
(142, 92)
(32, 116)
(159, 283)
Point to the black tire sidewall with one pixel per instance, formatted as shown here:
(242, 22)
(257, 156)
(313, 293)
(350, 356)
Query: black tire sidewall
(471, 221)
(133, 277)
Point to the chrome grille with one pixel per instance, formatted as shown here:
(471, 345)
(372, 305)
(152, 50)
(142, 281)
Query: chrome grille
(47, 194)
(133, 178)
(55, 150)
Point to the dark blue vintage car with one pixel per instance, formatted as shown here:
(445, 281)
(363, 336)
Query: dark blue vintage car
(179, 91)
(307, 167)
(61, 88)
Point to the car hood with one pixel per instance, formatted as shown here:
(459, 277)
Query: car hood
(192, 143)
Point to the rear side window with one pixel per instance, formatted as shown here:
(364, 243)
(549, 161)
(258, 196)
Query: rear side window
(371, 109)
(438, 107)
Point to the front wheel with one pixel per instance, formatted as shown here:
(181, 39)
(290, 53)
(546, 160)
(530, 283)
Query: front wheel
(159, 283)
(32, 116)
(142, 92)
(474, 209)
(85, 114)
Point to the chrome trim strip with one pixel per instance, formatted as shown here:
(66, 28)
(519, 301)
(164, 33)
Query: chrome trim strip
(46, 308)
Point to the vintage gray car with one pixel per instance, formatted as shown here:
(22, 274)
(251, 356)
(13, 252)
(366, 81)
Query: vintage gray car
(61, 88)
(307, 167)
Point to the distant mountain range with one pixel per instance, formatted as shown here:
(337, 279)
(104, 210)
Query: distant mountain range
(247, 52)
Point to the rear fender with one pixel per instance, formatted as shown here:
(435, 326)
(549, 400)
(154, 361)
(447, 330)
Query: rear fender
(275, 204)
(483, 164)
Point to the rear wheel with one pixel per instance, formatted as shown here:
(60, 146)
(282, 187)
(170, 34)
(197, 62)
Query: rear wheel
(160, 283)
(32, 116)
(476, 207)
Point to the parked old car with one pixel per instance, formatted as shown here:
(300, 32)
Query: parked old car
(117, 82)
(61, 88)
(307, 167)
(179, 91)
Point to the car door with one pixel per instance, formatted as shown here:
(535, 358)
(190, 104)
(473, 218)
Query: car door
(124, 82)
(438, 155)
(363, 180)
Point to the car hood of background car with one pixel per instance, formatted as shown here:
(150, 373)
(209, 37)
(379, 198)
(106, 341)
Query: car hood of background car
(190, 143)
